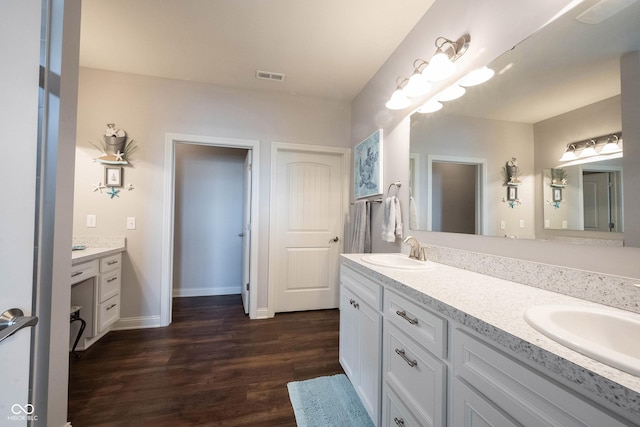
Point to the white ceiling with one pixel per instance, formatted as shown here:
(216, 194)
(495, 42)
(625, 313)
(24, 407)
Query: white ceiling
(326, 48)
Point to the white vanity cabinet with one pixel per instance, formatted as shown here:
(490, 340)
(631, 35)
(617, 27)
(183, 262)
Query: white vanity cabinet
(414, 364)
(361, 337)
(95, 286)
(494, 389)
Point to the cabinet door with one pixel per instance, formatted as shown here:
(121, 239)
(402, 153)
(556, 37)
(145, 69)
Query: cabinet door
(349, 331)
(472, 410)
(370, 359)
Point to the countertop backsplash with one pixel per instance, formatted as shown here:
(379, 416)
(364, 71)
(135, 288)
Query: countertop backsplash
(611, 290)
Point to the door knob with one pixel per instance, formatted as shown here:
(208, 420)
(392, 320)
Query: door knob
(12, 320)
(334, 240)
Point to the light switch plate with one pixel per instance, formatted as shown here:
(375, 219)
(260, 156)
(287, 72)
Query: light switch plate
(522, 223)
(131, 223)
(503, 225)
(91, 221)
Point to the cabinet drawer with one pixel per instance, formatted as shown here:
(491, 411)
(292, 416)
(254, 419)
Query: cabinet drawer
(394, 413)
(526, 395)
(109, 285)
(428, 330)
(367, 290)
(84, 271)
(110, 262)
(416, 376)
(108, 313)
(473, 410)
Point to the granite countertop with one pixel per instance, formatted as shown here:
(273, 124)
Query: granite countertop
(495, 308)
(96, 247)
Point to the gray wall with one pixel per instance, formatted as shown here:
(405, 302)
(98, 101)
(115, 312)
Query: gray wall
(148, 108)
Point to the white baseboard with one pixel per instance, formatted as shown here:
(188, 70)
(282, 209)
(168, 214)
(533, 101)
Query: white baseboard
(205, 292)
(141, 322)
(262, 313)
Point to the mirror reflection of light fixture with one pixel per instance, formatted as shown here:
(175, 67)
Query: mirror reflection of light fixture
(448, 51)
(594, 149)
(611, 146)
(418, 83)
(477, 76)
(589, 149)
(451, 93)
(398, 100)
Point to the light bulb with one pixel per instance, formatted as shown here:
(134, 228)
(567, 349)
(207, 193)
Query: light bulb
(398, 101)
(430, 106)
(439, 68)
(451, 93)
(418, 85)
(477, 76)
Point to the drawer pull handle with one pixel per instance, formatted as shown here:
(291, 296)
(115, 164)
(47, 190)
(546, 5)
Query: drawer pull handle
(354, 303)
(76, 273)
(111, 306)
(112, 279)
(403, 314)
(410, 362)
(399, 421)
(112, 262)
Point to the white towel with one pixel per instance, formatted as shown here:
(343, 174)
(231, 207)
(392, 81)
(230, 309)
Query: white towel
(389, 221)
(392, 220)
(398, 217)
(413, 214)
(360, 238)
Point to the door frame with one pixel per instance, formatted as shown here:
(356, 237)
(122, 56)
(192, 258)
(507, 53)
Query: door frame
(168, 211)
(276, 148)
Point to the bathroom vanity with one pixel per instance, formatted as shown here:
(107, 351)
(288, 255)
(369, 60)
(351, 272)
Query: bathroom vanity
(442, 346)
(96, 274)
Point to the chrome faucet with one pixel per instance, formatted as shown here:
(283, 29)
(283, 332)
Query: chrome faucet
(416, 251)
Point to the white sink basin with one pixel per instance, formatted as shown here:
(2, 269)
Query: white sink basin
(397, 261)
(608, 336)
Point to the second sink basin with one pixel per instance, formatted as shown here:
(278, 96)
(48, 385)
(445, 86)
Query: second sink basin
(397, 261)
(608, 336)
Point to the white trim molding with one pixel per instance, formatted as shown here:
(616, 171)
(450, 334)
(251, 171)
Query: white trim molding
(171, 139)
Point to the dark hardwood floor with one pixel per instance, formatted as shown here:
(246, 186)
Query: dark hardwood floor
(211, 366)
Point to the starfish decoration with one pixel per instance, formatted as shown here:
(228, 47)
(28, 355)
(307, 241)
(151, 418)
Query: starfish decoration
(130, 187)
(113, 192)
(512, 179)
(564, 181)
(556, 205)
(119, 156)
(98, 187)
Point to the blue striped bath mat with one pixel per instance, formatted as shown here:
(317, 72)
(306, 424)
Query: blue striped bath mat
(326, 402)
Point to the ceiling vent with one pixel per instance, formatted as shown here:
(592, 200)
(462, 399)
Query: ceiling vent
(268, 75)
(602, 10)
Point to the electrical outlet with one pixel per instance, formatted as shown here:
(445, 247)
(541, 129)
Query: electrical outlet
(503, 225)
(91, 221)
(547, 223)
(522, 223)
(564, 224)
(131, 223)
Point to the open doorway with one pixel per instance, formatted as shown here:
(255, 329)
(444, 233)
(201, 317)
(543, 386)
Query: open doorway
(246, 232)
(208, 220)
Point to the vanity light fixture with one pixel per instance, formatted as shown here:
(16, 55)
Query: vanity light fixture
(589, 149)
(451, 93)
(611, 146)
(430, 106)
(418, 83)
(448, 51)
(398, 100)
(477, 76)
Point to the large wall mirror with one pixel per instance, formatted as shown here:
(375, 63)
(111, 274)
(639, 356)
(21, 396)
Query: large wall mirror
(559, 86)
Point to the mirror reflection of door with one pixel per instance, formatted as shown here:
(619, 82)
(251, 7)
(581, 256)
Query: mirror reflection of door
(601, 212)
(454, 188)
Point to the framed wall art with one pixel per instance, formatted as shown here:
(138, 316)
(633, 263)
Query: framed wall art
(367, 167)
(113, 176)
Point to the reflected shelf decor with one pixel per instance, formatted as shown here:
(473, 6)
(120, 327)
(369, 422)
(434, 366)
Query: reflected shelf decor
(511, 173)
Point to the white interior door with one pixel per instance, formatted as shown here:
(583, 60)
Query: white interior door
(307, 214)
(19, 34)
(246, 233)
